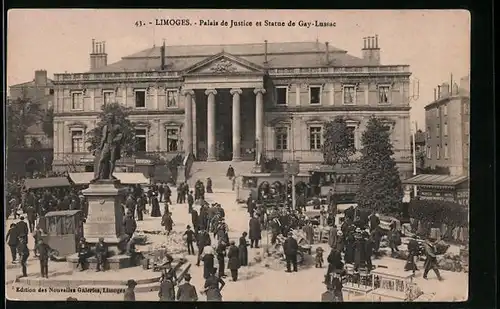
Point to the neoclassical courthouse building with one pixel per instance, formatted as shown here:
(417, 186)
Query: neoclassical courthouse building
(234, 102)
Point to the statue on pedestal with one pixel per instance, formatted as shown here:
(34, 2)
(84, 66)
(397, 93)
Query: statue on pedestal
(109, 149)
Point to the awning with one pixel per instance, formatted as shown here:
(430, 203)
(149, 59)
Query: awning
(49, 182)
(125, 178)
(66, 213)
(435, 180)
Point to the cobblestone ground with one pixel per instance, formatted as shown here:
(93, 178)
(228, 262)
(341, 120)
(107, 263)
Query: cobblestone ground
(257, 282)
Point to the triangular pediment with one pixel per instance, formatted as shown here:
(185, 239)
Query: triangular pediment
(224, 63)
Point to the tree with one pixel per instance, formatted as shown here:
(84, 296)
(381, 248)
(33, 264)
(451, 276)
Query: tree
(121, 114)
(48, 122)
(380, 188)
(22, 113)
(338, 146)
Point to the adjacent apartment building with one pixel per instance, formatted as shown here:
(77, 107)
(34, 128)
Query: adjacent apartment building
(233, 102)
(448, 128)
(38, 154)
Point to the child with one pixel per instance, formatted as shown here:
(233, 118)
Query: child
(319, 257)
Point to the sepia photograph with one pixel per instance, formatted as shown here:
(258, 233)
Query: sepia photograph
(237, 155)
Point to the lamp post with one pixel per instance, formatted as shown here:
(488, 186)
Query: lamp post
(414, 157)
(294, 199)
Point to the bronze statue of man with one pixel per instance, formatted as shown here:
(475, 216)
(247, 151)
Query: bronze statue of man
(109, 148)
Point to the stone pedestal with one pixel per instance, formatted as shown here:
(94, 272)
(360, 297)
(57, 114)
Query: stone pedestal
(105, 212)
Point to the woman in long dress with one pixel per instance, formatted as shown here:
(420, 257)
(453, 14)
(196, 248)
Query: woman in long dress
(155, 207)
(243, 250)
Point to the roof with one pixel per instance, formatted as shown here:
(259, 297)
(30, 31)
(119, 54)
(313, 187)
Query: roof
(436, 180)
(280, 55)
(49, 182)
(125, 178)
(60, 213)
(32, 84)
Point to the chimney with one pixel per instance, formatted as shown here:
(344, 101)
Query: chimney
(41, 78)
(265, 52)
(327, 53)
(162, 55)
(435, 94)
(98, 57)
(445, 89)
(439, 92)
(371, 51)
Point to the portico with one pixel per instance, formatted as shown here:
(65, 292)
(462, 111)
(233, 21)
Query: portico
(217, 92)
(221, 118)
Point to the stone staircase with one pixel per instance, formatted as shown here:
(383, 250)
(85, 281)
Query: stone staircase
(217, 172)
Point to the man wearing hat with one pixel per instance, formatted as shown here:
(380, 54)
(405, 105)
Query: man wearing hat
(413, 251)
(83, 253)
(233, 262)
(431, 259)
(101, 254)
(167, 291)
(44, 254)
(189, 236)
(187, 291)
(129, 292)
(291, 248)
(24, 253)
(22, 228)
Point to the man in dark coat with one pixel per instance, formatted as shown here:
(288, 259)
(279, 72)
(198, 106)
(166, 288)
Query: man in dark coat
(129, 292)
(167, 290)
(250, 205)
(195, 220)
(31, 214)
(233, 262)
(431, 259)
(187, 291)
(254, 232)
(349, 214)
(101, 254)
(22, 229)
(190, 238)
(44, 254)
(413, 251)
(230, 172)
(374, 221)
(141, 206)
(209, 185)
(129, 225)
(291, 248)
(12, 240)
(24, 253)
(221, 254)
(130, 205)
(203, 218)
(334, 261)
(190, 201)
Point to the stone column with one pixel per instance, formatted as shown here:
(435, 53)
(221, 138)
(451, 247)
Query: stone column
(194, 127)
(188, 121)
(259, 121)
(236, 124)
(211, 124)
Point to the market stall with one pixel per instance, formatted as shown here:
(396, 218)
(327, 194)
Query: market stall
(49, 182)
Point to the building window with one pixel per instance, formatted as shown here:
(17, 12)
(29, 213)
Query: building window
(77, 100)
(445, 110)
(281, 95)
(383, 94)
(349, 94)
(315, 137)
(172, 140)
(445, 129)
(428, 153)
(446, 155)
(171, 98)
(315, 94)
(438, 152)
(281, 134)
(107, 97)
(140, 98)
(77, 145)
(428, 133)
(438, 131)
(141, 139)
(351, 131)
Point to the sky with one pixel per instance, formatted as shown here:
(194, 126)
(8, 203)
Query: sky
(435, 43)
